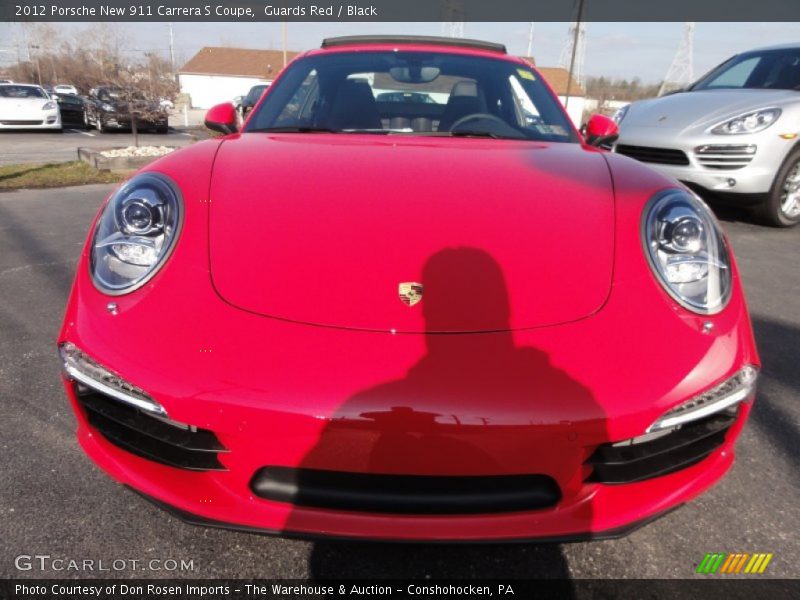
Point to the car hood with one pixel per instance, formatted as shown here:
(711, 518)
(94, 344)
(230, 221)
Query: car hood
(704, 108)
(24, 103)
(324, 229)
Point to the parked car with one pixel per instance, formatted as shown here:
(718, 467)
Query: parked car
(66, 89)
(476, 329)
(73, 111)
(109, 108)
(405, 97)
(252, 97)
(734, 132)
(6, 81)
(27, 106)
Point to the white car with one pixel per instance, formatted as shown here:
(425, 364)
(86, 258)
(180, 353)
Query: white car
(65, 89)
(734, 133)
(25, 106)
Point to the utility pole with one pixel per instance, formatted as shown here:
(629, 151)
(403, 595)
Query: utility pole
(285, 36)
(575, 49)
(172, 49)
(530, 42)
(451, 26)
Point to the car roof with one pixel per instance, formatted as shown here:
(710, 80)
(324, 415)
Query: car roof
(795, 46)
(33, 85)
(424, 40)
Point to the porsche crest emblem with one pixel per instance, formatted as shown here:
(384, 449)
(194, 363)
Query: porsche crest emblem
(410, 292)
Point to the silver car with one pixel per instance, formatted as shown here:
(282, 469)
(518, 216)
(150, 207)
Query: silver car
(735, 132)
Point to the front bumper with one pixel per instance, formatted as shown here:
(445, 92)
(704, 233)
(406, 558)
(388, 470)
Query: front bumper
(301, 397)
(735, 168)
(41, 120)
(124, 121)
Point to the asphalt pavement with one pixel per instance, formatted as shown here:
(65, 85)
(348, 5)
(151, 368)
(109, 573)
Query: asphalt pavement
(54, 502)
(44, 146)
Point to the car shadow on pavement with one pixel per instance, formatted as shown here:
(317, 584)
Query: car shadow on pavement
(779, 346)
(472, 405)
(343, 560)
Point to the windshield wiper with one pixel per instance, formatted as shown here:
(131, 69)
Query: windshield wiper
(485, 134)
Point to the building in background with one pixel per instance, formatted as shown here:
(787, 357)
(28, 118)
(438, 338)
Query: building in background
(558, 79)
(216, 75)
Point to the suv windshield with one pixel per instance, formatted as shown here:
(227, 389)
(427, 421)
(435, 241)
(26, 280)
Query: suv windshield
(419, 93)
(254, 94)
(767, 69)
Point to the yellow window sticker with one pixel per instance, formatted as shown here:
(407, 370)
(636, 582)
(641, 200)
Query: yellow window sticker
(525, 74)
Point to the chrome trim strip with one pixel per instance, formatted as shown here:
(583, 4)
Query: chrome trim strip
(151, 407)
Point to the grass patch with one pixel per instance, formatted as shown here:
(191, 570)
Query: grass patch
(54, 175)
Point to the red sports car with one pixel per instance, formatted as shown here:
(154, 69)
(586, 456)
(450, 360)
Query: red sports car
(446, 320)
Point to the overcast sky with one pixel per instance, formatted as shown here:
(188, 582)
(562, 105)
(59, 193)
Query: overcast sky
(627, 50)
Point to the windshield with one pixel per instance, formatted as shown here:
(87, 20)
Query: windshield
(21, 91)
(767, 69)
(254, 94)
(419, 93)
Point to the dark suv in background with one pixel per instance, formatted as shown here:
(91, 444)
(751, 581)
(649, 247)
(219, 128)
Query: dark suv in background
(110, 107)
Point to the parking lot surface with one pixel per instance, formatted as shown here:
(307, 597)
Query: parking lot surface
(42, 147)
(53, 501)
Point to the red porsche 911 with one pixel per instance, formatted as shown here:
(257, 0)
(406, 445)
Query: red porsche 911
(445, 317)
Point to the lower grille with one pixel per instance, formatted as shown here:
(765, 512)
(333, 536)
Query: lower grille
(727, 157)
(40, 122)
(409, 494)
(664, 156)
(670, 452)
(151, 437)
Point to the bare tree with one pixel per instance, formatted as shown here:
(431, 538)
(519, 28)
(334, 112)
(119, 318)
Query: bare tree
(97, 57)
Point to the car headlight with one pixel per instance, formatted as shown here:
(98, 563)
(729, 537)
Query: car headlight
(620, 114)
(136, 233)
(751, 122)
(49, 105)
(687, 251)
(107, 107)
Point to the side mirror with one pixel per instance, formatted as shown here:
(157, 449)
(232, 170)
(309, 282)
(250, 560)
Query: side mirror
(601, 130)
(222, 118)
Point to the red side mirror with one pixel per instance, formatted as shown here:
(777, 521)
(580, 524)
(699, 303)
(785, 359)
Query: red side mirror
(601, 130)
(222, 118)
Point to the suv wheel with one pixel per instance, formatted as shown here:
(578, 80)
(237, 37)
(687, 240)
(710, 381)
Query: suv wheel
(781, 207)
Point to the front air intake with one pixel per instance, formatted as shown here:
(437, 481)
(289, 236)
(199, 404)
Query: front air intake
(408, 494)
(148, 436)
(664, 453)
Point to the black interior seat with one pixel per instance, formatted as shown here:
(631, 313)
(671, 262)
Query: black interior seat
(400, 123)
(354, 107)
(422, 124)
(465, 99)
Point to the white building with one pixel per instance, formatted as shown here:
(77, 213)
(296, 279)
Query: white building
(216, 75)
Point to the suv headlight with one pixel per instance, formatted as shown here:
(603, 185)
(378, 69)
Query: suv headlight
(136, 233)
(687, 251)
(751, 122)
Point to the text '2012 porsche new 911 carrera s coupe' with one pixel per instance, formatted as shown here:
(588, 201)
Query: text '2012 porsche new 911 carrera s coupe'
(453, 320)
